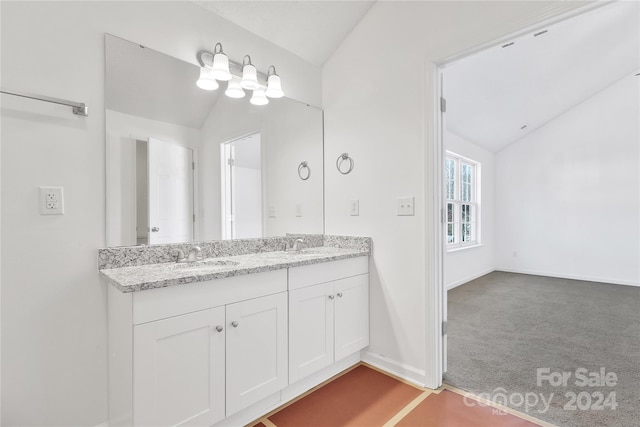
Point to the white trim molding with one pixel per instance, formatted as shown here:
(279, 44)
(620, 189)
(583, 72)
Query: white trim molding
(408, 373)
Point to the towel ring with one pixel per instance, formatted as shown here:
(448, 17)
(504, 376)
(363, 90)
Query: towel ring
(304, 165)
(341, 158)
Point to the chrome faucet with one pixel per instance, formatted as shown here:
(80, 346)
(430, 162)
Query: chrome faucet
(296, 245)
(194, 255)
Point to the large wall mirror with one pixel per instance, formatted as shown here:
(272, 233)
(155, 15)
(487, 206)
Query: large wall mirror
(186, 164)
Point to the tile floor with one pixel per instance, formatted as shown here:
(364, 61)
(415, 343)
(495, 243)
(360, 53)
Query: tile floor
(366, 397)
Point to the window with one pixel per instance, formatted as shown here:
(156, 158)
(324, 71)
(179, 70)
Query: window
(462, 193)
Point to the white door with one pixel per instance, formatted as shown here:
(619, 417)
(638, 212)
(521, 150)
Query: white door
(351, 315)
(170, 192)
(179, 370)
(310, 330)
(256, 350)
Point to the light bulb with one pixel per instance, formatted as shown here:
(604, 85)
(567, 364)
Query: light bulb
(206, 80)
(258, 97)
(274, 87)
(234, 90)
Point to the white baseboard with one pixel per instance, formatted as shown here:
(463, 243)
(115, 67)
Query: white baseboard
(569, 276)
(468, 279)
(400, 370)
(104, 424)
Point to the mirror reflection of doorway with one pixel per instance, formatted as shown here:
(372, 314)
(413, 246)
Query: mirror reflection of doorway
(164, 192)
(242, 187)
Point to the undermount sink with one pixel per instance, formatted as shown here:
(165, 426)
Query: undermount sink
(205, 264)
(303, 252)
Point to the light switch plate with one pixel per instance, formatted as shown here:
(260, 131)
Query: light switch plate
(51, 201)
(299, 210)
(354, 207)
(406, 206)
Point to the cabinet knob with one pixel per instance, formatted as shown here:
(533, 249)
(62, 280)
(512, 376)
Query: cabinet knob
(234, 324)
(219, 328)
(331, 297)
(340, 294)
(155, 229)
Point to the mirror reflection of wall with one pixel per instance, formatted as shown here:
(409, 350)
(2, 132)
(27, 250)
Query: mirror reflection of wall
(152, 101)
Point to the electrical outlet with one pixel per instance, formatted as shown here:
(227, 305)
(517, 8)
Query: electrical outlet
(272, 211)
(51, 201)
(406, 206)
(299, 210)
(354, 207)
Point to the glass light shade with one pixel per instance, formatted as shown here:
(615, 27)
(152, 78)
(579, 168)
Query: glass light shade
(274, 87)
(221, 67)
(259, 98)
(234, 90)
(249, 77)
(206, 80)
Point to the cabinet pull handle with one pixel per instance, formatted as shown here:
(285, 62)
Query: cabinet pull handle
(219, 328)
(331, 297)
(234, 324)
(340, 294)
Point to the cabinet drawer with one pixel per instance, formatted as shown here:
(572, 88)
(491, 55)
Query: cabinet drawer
(300, 277)
(155, 304)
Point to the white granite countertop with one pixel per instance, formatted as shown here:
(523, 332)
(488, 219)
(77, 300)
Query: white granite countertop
(151, 276)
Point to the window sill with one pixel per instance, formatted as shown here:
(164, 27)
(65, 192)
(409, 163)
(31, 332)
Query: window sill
(464, 248)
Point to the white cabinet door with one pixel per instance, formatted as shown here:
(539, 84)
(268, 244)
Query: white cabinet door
(351, 315)
(256, 350)
(310, 330)
(179, 370)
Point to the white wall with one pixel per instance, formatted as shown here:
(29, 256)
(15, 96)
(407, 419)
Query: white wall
(463, 265)
(568, 194)
(376, 107)
(54, 355)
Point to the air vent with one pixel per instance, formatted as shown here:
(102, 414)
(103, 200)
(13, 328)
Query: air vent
(508, 44)
(539, 33)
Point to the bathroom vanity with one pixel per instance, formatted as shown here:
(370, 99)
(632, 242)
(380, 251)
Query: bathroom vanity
(224, 340)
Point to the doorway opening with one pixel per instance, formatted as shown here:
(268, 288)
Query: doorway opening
(242, 187)
(522, 296)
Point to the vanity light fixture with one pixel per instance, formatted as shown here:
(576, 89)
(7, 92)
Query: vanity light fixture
(249, 74)
(274, 86)
(234, 90)
(220, 67)
(206, 80)
(258, 97)
(216, 66)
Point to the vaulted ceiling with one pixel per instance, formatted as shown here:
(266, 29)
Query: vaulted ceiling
(310, 29)
(501, 94)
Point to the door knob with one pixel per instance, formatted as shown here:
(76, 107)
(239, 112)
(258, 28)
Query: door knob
(219, 328)
(155, 229)
(234, 324)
